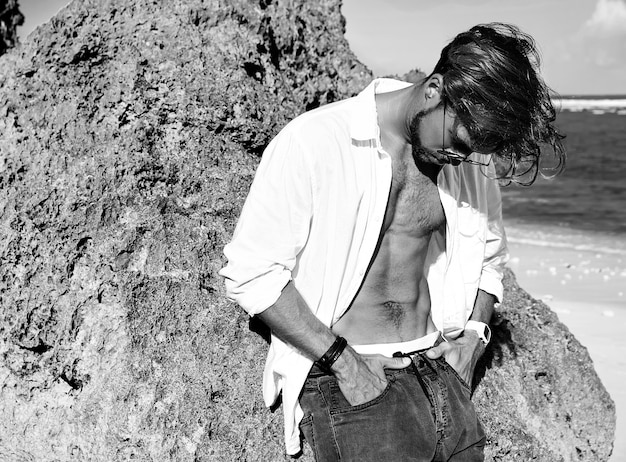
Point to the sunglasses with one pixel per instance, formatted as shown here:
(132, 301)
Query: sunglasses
(455, 155)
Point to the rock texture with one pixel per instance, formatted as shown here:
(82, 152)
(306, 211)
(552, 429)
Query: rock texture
(129, 134)
(537, 392)
(10, 19)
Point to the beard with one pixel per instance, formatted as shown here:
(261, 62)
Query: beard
(420, 154)
(425, 161)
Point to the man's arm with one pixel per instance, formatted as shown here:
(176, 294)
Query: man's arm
(483, 307)
(464, 352)
(272, 230)
(361, 378)
(472, 346)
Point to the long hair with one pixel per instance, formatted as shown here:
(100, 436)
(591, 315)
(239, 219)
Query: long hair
(492, 82)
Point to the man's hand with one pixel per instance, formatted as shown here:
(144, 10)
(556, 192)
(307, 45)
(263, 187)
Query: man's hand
(461, 353)
(361, 378)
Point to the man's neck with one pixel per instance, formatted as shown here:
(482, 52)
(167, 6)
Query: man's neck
(395, 111)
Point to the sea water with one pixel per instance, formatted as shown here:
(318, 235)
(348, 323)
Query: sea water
(577, 220)
(584, 207)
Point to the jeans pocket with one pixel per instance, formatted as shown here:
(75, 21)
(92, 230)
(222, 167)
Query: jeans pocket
(339, 403)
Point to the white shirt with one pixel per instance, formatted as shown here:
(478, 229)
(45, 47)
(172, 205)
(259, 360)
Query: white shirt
(313, 215)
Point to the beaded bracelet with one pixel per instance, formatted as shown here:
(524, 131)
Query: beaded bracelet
(333, 353)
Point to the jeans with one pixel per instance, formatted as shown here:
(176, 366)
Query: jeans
(424, 414)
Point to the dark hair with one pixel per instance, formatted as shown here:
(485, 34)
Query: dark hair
(491, 80)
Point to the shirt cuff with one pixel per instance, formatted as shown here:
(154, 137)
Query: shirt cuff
(258, 295)
(492, 284)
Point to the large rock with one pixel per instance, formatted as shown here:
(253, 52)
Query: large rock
(10, 19)
(538, 394)
(129, 134)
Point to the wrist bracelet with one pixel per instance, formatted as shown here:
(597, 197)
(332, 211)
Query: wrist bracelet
(333, 353)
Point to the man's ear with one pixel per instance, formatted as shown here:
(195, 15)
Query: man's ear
(432, 90)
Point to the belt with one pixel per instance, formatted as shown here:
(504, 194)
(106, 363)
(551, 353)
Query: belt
(399, 349)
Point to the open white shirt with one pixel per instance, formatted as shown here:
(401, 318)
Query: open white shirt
(314, 213)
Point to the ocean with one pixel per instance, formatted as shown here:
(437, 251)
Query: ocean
(584, 207)
(571, 232)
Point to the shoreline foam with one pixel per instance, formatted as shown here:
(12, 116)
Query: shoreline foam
(600, 105)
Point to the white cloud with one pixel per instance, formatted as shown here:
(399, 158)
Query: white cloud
(601, 41)
(609, 18)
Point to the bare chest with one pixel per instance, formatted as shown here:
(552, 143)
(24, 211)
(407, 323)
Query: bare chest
(414, 205)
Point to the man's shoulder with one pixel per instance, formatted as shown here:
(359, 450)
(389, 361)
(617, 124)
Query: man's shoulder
(332, 115)
(322, 136)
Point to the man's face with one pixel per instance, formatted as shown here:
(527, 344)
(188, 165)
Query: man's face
(430, 133)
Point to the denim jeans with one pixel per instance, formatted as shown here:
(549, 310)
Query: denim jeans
(424, 414)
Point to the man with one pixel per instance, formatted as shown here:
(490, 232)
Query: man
(371, 244)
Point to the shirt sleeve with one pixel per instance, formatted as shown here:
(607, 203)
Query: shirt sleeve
(273, 226)
(496, 250)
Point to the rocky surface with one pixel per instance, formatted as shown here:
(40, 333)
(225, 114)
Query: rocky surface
(537, 392)
(129, 134)
(10, 19)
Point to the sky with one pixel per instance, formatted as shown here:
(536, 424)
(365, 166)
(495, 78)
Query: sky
(37, 12)
(582, 42)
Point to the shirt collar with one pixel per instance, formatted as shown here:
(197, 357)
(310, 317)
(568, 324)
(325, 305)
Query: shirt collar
(364, 124)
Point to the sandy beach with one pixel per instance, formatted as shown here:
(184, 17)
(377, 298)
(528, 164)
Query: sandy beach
(587, 290)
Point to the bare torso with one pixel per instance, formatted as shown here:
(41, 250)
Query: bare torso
(393, 303)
